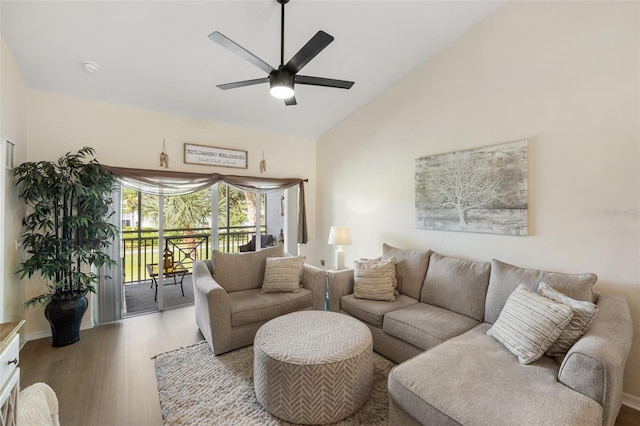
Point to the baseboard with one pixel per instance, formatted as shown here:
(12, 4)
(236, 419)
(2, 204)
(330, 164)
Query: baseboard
(631, 401)
(37, 335)
(42, 334)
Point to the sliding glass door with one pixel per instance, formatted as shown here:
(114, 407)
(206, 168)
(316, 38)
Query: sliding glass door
(163, 235)
(161, 238)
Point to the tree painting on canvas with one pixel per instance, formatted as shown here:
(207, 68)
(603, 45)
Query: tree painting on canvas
(477, 190)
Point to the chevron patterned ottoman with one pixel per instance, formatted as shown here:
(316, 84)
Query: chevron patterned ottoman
(313, 367)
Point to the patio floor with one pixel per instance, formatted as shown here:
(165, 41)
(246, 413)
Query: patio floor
(139, 297)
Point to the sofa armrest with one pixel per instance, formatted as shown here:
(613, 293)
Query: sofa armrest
(315, 279)
(594, 366)
(340, 284)
(213, 312)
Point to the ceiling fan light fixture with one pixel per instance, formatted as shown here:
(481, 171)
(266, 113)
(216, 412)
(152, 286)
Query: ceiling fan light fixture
(281, 80)
(281, 92)
(281, 83)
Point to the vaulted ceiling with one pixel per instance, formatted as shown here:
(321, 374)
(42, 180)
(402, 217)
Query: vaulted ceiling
(156, 54)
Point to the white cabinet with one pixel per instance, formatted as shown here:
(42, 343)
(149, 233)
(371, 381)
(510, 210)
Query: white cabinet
(9, 372)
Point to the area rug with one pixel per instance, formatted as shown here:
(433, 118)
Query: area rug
(198, 388)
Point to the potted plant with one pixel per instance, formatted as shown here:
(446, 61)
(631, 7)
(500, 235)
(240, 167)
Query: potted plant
(65, 232)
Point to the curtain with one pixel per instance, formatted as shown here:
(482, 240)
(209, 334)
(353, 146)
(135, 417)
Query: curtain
(167, 182)
(302, 217)
(109, 290)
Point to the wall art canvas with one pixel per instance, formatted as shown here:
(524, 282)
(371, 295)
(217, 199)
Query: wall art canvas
(476, 190)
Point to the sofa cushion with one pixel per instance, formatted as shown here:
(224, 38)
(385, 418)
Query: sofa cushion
(529, 324)
(426, 325)
(411, 268)
(251, 306)
(472, 380)
(242, 271)
(505, 278)
(456, 284)
(374, 279)
(372, 311)
(583, 315)
(283, 274)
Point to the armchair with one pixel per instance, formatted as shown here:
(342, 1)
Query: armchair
(230, 308)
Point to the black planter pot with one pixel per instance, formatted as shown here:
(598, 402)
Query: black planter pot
(65, 315)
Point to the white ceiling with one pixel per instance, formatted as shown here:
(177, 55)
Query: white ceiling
(156, 54)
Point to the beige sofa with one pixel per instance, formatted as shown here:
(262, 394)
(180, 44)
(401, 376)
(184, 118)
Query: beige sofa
(229, 305)
(452, 373)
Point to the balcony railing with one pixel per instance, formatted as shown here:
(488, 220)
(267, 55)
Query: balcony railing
(140, 247)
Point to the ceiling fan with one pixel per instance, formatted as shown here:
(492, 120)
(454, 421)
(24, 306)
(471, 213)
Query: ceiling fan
(283, 79)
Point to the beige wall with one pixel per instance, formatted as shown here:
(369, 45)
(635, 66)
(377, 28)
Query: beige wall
(13, 127)
(563, 75)
(130, 137)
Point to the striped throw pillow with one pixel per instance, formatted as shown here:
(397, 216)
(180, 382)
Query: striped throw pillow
(375, 279)
(529, 324)
(583, 315)
(283, 274)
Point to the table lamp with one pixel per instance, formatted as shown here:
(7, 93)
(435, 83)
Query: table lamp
(340, 236)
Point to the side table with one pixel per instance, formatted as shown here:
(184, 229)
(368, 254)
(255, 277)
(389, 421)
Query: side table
(177, 270)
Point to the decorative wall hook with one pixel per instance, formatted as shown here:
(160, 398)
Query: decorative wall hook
(164, 158)
(263, 164)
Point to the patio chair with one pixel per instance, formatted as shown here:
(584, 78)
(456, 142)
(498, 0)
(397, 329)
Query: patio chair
(265, 241)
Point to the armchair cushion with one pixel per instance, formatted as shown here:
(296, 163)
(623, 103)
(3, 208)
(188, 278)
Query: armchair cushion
(242, 271)
(252, 306)
(283, 274)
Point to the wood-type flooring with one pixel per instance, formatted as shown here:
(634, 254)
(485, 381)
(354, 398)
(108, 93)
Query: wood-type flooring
(108, 377)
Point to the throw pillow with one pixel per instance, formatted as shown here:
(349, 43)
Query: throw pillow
(529, 324)
(283, 274)
(583, 315)
(411, 268)
(375, 279)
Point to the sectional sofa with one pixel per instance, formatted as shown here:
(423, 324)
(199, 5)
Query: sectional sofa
(451, 372)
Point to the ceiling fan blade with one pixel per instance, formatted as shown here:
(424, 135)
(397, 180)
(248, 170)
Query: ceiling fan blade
(309, 51)
(290, 101)
(240, 51)
(326, 82)
(244, 83)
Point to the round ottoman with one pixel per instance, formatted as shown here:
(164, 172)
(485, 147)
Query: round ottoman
(313, 367)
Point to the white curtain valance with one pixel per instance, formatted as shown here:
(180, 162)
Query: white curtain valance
(168, 183)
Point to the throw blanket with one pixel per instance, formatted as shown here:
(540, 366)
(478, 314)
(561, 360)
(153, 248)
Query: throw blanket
(37, 405)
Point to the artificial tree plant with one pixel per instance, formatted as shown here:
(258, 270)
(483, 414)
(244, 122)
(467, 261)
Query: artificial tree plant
(65, 234)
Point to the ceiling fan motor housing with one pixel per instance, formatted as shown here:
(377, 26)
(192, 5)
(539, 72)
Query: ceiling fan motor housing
(281, 83)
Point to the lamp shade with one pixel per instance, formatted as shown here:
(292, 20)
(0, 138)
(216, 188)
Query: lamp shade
(340, 236)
